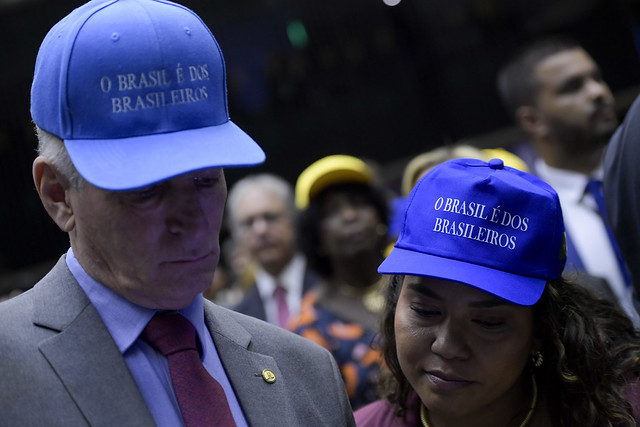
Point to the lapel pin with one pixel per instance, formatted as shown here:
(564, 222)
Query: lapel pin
(268, 376)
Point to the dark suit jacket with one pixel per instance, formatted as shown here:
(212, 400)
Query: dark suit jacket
(621, 182)
(59, 366)
(252, 304)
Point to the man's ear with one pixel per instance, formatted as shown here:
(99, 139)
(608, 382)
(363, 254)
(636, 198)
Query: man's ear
(53, 190)
(531, 121)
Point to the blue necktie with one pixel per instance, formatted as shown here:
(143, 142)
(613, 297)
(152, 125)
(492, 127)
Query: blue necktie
(594, 187)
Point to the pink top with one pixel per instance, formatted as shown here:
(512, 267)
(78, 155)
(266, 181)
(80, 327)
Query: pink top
(381, 414)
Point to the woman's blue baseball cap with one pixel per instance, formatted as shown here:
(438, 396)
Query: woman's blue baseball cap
(483, 224)
(137, 91)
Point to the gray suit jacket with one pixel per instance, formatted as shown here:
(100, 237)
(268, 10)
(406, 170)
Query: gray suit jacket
(59, 366)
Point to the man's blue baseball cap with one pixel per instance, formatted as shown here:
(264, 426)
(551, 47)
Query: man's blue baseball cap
(483, 224)
(137, 91)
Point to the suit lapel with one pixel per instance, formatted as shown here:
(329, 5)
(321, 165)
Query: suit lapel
(84, 356)
(262, 402)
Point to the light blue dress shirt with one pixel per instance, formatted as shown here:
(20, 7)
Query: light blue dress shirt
(150, 369)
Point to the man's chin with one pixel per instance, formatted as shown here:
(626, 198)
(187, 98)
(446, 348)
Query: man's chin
(605, 136)
(268, 257)
(606, 130)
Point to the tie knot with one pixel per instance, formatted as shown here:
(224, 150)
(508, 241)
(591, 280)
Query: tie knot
(170, 333)
(279, 291)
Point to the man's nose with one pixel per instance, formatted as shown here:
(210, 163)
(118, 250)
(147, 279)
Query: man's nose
(598, 89)
(186, 213)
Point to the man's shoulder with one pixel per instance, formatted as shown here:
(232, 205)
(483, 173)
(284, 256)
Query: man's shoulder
(15, 314)
(260, 331)
(56, 287)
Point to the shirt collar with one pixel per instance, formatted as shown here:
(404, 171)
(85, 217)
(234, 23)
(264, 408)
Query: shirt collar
(124, 319)
(568, 184)
(290, 278)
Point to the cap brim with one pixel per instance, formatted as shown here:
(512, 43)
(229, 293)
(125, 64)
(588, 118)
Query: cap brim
(129, 163)
(521, 290)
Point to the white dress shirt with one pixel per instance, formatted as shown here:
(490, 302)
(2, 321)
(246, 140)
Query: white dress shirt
(291, 279)
(588, 232)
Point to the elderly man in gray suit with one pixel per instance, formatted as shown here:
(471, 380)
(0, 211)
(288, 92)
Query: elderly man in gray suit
(129, 101)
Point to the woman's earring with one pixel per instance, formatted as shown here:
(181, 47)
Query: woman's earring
(537, 359)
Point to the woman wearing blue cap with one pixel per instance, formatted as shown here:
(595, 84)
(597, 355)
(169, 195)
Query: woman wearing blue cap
(479, 329)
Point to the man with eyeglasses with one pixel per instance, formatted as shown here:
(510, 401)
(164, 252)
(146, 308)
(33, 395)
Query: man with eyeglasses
(262, 213)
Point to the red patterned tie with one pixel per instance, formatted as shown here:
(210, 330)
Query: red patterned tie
(201, 398)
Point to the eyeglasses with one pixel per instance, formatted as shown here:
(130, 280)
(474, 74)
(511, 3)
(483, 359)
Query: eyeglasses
(269, 218)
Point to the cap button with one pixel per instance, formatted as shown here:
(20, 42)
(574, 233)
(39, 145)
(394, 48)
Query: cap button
(496, 164)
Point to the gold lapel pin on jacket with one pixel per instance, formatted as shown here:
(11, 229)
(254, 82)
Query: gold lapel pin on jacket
(268, 376)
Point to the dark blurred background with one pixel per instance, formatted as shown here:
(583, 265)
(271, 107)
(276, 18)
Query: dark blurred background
(308, 78)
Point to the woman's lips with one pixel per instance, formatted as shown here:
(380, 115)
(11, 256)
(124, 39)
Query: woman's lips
(446, 382)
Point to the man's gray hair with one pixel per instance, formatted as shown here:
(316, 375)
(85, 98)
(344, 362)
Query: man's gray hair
(52, 148)
(268, 183)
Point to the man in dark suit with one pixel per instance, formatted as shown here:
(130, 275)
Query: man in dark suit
(129, 101)
(556, 93)
(262, 214)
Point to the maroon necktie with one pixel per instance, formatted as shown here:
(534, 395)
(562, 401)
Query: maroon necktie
(201, 398)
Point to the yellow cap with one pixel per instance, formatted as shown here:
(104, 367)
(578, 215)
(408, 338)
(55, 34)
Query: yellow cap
(424, 162)
(330, 170)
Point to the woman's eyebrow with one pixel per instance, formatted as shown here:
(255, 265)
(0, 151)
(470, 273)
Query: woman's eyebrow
(421, 289)
(488, 303)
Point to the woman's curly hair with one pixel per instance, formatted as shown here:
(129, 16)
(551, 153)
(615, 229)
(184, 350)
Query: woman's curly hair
(591, 352)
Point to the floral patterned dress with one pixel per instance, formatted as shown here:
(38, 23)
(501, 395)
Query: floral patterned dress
(350, 344)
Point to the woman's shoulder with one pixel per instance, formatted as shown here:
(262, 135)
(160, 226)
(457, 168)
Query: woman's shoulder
(632, 393)
(381, 413)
